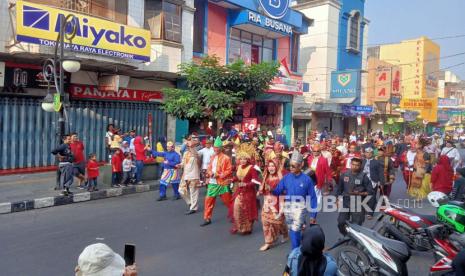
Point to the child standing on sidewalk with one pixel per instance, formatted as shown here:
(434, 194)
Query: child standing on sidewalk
(128, 167)
(116, 168)
(92, 173)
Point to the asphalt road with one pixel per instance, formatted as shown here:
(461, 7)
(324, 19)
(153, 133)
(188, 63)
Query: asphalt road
(48, 241)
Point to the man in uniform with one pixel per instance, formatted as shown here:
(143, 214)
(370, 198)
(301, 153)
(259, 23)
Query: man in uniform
(353, 184)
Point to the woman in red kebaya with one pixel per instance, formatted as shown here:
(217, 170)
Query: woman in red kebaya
(272, 218)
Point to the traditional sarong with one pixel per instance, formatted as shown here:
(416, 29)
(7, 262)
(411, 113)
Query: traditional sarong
(295, 213)
(241, 214)
(170, 176)
(272, 220)
(215, 190)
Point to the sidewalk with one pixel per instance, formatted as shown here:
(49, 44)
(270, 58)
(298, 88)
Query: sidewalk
(32, 191)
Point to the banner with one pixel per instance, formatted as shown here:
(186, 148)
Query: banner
(283, 83)
(78, 91)
(356, 110)
(447, 103)
(383, 84)
(40, 24)
(410, 116)
(249, 124)
(417, 104)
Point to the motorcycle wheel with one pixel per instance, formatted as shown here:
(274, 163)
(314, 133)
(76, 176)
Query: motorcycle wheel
(352, 261)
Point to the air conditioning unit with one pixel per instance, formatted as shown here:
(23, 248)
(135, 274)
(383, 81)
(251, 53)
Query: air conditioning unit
(112, 82)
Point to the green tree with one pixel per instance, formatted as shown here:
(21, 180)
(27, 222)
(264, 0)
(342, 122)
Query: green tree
(214, 90)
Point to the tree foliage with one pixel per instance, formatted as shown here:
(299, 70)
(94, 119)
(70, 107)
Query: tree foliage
(214, 90)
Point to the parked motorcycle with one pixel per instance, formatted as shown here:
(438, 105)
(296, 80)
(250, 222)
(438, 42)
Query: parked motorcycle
(409, 227)
(364, 251)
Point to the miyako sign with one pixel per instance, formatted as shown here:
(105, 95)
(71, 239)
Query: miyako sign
(40, 24)
(276, 9)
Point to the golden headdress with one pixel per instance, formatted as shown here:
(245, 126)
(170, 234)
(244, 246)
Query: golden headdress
(245, 150)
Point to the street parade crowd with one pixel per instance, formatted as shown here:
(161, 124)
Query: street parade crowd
(258, 175)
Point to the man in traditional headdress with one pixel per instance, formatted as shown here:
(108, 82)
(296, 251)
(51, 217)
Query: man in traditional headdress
(300, 194)
(319, 167)
(219, 173)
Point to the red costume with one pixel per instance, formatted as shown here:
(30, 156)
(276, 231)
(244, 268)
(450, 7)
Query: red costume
(322, 171)
(442, 176)
(336, 164)
(347, 159)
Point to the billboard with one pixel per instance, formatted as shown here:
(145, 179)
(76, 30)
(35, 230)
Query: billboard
(40, 24)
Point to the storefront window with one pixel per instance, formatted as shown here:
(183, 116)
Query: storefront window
(249, 47)
(113, 10)
(163, 19)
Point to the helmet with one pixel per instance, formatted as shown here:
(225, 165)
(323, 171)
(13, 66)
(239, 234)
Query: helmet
(453, 216)
(435, 198)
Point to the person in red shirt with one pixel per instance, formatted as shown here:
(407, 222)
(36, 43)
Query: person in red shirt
(320, 170)
(442, 176)
(353, 153)
(116, 168)
(79, 164)
(92, 173)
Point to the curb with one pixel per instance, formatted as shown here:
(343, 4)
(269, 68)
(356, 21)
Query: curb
(45, 202)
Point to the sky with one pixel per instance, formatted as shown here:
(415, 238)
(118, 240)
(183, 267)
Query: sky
(394, 20)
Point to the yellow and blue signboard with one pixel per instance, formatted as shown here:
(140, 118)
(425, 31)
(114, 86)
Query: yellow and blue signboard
(40, 24)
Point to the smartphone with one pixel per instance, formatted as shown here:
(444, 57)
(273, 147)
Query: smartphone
(129, 254)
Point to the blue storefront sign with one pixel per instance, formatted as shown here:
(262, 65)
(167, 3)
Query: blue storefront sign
(276, 9)
(356, 110)
(251, 17)
(345, 84)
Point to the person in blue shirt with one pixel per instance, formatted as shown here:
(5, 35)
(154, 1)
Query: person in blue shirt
(171, 174)
(300, 198)
(309, 259)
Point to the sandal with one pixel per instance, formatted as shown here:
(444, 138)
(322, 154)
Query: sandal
(265, 247)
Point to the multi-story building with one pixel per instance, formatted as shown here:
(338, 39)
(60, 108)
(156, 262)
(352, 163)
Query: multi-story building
(128, 51)
(255, 31)
(419, 59)
(332, 61)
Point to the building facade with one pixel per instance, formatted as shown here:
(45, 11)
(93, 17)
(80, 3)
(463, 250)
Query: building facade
(255, 31)
(419, 59)
(333, 52)
(128, 50)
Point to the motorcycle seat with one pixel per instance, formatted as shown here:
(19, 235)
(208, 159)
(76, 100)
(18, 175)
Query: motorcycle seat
(397, 248)
(431, 218)
(457, 203)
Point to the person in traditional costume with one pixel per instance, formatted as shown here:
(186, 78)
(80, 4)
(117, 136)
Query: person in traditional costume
(407, 160)
(190, 184)
(420, 180)
(299, 191)
(170, 173)
(353, 153)
(219, 174)
(244, 203)
(336, 161)
(272, 218)
(318, 166)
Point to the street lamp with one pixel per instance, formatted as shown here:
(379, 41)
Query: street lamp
(53, 69)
